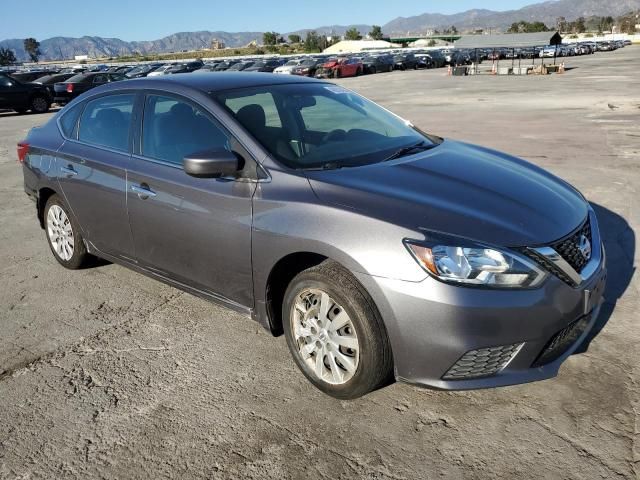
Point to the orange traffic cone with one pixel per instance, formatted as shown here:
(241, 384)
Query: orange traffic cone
(449, 71)
(494, 70)
(561, 69)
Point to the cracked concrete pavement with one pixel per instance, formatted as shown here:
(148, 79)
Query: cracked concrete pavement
(105, 373)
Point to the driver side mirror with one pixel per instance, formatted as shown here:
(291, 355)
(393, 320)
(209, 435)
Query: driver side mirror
(211, 164)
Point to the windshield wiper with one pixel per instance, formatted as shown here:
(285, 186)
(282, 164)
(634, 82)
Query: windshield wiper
(418, 147)
(327, 166)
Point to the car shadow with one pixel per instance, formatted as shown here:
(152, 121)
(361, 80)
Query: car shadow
(619, 242)
(12, 113)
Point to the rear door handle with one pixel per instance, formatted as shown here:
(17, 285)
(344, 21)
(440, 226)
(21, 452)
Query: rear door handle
(68, 171)
(143, 191)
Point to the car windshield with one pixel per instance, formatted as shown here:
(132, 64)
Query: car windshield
(320, 125)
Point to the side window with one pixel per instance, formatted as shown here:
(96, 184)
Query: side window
(100, 79)
(69, 120)
(172, 129)
(262, 100)
(106, 122)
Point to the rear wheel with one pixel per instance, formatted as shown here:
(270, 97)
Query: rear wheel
(20, 110)
(39, 104)
(358, 72)
(336, 73)
(335, 333)
(63, 235)
(373, 70)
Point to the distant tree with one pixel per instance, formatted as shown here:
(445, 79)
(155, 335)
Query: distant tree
(270, 38)
(526, 27)
(293, 38)
(312, 42)
(32, 47)
(580, 26)
(7, 57)
(454, 30)
(561, 24)
(376, 32)
(432, 43)
(352, 34)
(627, 24)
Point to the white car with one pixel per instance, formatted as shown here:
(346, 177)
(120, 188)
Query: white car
(549, 52)
(288, 67)
(160, 71)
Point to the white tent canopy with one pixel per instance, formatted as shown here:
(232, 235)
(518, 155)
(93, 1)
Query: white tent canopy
(354, 46)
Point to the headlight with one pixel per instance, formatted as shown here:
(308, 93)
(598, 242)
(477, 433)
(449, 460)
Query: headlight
(477, 265)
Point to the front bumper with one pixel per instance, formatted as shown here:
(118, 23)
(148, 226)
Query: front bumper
(433, 325)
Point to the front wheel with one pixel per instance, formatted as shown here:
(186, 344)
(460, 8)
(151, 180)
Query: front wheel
(63, 235)
(335, 333)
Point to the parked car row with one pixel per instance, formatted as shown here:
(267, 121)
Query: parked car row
(37, 89)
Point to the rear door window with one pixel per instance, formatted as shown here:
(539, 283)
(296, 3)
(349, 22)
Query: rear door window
(69, 120)
(106, 122)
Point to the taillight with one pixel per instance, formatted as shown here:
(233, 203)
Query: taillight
(69, 87)
(23, 149)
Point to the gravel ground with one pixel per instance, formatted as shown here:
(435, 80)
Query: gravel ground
(105, 373)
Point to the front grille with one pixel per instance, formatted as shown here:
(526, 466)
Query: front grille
(561, 342)
(482, 362)
(541, 259)
(569, 248)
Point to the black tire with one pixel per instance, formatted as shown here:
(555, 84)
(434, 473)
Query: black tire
(336, 73)
(358, 72)
(375, 365)
(80, 256)
(373, 70)
(40, 104)
(390, 68)
(20, 110)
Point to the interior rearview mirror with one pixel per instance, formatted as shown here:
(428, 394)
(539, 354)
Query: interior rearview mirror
(302, 101)
(211, 164)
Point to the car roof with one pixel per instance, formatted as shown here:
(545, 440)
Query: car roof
(215, 82)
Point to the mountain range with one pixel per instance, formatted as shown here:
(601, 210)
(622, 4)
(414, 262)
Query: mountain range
(547, 12)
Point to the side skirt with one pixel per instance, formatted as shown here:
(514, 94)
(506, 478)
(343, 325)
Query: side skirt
(211, 297)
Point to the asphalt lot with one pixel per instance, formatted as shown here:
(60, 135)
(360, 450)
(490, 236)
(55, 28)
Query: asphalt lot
(105, 373)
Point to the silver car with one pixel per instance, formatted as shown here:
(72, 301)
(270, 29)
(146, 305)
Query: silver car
(379, 250)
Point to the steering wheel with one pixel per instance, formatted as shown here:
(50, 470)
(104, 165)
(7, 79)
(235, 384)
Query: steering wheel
(335, 136)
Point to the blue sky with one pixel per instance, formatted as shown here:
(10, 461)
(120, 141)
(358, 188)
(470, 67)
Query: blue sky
(150, 20)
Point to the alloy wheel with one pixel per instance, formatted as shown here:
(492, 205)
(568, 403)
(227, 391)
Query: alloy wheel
(60, 233)
(39, 104)
(325, 336)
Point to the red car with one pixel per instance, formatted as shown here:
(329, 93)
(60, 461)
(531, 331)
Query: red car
(341, 67)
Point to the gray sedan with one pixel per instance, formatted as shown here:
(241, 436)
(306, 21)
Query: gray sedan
(380, 251)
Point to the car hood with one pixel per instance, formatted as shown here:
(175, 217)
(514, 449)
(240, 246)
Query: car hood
(459, 189)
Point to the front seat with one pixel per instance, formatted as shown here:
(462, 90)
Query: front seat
(253, 118)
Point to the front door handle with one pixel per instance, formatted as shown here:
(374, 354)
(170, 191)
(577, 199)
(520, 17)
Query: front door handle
(143, 191)
(68, 171)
